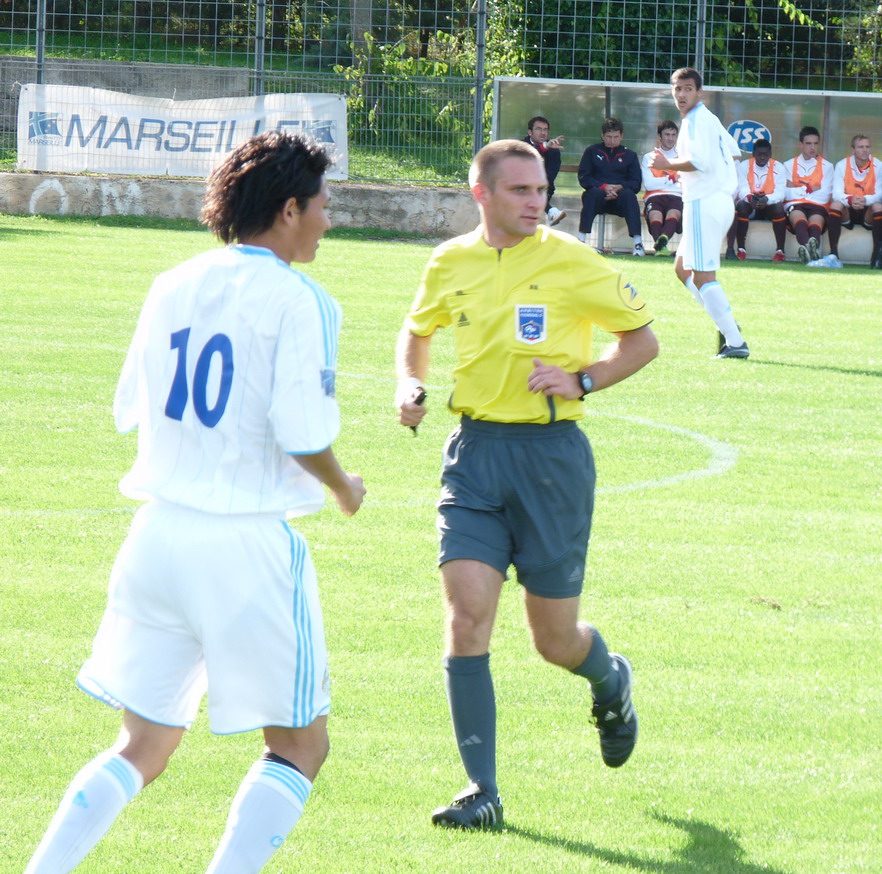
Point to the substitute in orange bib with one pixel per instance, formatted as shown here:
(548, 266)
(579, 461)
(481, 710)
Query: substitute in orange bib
(517, 484)
(809, 187)
(761, 187)
(663, 193)
(857, 198)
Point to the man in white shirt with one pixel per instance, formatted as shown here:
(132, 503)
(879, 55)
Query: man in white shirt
(809, 186)
(229, 380)
(663, 194)
(857, 194)
(706, 166)
(761, 188)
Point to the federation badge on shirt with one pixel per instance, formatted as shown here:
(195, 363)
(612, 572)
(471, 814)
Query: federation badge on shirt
(530, 323)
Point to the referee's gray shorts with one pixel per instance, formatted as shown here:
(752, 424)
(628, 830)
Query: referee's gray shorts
(522, 495)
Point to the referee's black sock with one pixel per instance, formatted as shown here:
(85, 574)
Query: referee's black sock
(598, 669)
(473, 710)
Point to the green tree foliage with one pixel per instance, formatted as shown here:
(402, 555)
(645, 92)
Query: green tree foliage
(771, 43)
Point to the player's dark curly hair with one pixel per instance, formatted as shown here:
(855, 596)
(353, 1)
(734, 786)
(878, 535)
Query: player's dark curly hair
(247, 189)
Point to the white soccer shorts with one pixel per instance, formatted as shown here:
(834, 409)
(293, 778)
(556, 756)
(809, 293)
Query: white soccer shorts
(203, 602)
(706, 222)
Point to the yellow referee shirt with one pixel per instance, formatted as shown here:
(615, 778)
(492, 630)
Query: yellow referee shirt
(539, 299)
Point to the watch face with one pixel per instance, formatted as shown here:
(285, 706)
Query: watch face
(586, 381)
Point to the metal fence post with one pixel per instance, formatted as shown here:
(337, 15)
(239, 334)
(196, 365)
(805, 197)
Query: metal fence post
(259, 48)
(41, 40)
(480, 46)
(700, 35)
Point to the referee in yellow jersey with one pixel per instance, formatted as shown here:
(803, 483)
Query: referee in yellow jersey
(518, 478)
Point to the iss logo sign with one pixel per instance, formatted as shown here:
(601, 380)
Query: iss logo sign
(746, 133)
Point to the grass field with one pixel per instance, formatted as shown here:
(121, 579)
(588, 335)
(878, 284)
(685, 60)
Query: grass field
(736, 558)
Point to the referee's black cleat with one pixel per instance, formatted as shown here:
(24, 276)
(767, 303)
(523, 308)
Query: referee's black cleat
(472, 808)
(734, 351)
(616, 720)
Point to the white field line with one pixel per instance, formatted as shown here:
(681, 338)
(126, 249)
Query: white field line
(723, 456)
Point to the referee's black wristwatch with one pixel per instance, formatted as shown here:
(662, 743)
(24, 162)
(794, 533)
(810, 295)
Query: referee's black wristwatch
(586, 382)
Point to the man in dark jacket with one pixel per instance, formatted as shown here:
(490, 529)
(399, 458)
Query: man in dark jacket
(537, 136)
(611, 177)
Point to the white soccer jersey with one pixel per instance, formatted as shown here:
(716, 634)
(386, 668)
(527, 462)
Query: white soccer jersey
(663, 182)
(709, 147)
(231, 370)
(859, 176)
(805, 169)
(760, 174)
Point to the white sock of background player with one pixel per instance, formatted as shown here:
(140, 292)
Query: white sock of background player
(92, 802)
(712, 297)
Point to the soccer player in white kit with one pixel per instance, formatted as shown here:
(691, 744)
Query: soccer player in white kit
(229, 380)
(705, 162)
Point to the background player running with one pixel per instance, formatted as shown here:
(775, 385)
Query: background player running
(707, 172)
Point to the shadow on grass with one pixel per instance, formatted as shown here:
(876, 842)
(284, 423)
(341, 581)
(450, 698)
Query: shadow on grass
(844, 370)
(709, 850)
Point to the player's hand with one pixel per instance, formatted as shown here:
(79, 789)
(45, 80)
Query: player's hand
(858, 202)
(556, 143)
(409, 403)
(349, 498)
(547, 379)
(659, 160)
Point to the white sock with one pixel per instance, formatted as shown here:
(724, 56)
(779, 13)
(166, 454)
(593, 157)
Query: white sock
(637, 239)
(266, 807)
(693, 288)
(714, 300)
(92, 802)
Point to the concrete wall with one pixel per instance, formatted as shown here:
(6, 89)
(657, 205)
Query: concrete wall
(435, 213)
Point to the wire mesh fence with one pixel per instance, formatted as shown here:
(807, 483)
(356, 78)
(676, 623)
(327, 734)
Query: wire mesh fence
(416, 75)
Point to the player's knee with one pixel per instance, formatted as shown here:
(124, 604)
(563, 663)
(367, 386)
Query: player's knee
(556, 648)
(468, 631)
(149, 763)
(305, 748)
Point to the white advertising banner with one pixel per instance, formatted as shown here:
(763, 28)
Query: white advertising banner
(71, 129)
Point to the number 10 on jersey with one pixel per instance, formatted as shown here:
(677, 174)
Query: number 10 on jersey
(180, 392)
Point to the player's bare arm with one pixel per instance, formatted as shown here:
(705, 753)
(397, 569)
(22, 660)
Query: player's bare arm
(660, 161)
(347, 488)
(631, 351)
(412, 364)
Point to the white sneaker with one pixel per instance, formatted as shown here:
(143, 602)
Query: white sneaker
(555, 215)
(639, 250)
(581, 236)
